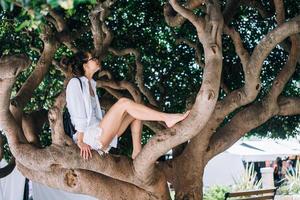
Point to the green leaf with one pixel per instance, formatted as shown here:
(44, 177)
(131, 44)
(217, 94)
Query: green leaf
(71, 12)
(66, 4)
(24, 24)
(53, 3)
(11, 7)
(4, 4)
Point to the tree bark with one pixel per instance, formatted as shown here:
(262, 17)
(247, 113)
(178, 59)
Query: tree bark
(202, 132)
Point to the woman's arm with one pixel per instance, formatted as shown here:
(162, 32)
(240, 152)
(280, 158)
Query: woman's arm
(85, 149)
(76, 105)
(79, 137)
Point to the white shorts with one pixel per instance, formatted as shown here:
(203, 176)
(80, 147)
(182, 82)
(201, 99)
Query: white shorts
(92, 137)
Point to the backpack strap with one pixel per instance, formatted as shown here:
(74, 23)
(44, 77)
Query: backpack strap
(79, 82)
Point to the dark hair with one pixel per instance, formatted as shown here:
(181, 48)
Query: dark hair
(279, 161)
(76, 62)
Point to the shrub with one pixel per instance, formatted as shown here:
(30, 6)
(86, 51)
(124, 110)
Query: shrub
(292, 181)
(248, 180)
(215, 193)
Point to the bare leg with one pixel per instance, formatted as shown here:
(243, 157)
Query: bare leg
(136, 133)
(127, 120)
(112, 121)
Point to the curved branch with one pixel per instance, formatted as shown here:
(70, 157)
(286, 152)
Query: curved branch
(280, 14)
(10, 67)
(234, 100)
(289, 106)
(210, 29)
(239, 47)
(262, 50)
(246, 95)
(113, 92)
(280, 18)
(32, 125)
(287, 71)
(201, 112)
(257, 4)
(116, 167)
(266, 109)
(105, 73)
(175, 20)
(122, 85)
(101, 34)
(64, 35)
(76, 181)
(42, 67)
(52, 21)
(66, 70)
(108, 37)
(195, 47)
(198, 58)
(198, 22)
(59, 20)
(255, 115)
(56, 120)
(139, 77)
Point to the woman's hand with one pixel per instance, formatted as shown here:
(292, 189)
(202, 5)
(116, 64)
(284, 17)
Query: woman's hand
(85, 150)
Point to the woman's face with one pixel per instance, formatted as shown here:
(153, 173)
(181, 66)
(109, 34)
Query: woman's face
(92, 65)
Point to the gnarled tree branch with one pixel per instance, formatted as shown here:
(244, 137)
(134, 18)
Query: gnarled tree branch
(101, 34)
(173, 19)
(139, 77)
(76, 181)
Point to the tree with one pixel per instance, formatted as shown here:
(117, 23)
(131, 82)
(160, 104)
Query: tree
(239, 81)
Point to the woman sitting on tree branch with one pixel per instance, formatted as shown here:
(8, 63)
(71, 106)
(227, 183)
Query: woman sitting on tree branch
(100, 133)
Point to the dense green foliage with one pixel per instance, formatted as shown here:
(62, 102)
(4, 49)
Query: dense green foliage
(170, 70)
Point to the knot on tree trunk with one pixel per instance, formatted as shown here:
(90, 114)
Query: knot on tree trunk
(53, 114)
(71, 178)
(207, 94)
(214, 24)
(14, 102)
(171, 17)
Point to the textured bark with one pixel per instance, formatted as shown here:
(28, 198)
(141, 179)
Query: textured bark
(122, 85)
(200, 150)
(101, 34)
(173, 19)
(198, 58)
(32, 125)
(76, 181)
(42, 67)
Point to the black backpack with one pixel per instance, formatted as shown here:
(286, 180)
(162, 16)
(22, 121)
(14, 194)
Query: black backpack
(68, 126)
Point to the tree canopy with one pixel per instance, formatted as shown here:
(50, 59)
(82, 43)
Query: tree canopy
(173, 59)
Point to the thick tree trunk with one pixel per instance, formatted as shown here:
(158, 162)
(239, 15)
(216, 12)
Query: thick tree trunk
(189, 186)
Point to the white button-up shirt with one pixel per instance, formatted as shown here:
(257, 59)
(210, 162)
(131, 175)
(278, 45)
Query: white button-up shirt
(79, 103)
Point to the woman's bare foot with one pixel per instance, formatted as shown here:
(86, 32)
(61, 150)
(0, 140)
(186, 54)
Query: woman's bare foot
(175, 118)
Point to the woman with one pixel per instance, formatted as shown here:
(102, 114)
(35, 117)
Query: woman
(93, 131)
